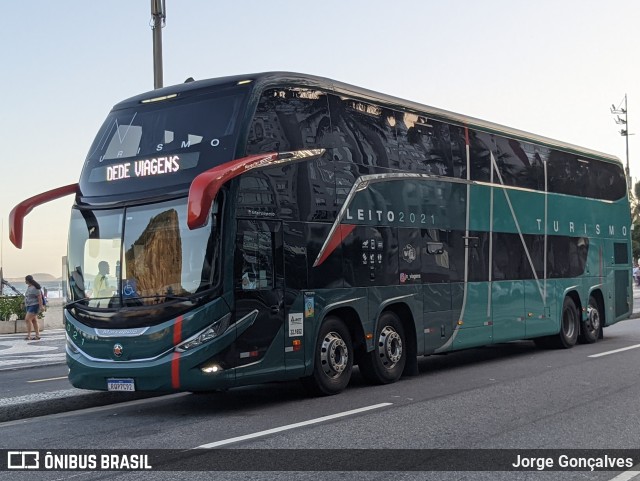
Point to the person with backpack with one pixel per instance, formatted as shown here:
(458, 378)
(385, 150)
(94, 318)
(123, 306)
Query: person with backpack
(33, 304)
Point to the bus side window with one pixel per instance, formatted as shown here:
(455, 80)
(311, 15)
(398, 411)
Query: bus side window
(254, 260)
(425, 145)
(480, 145)
(458, 151)
(518, 164)
(364, 134)
(288, 119)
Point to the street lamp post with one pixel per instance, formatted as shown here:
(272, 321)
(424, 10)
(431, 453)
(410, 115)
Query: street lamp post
(620, 110)
(159, 15)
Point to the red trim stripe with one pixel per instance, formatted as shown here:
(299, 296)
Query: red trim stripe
(175, 361)
(339, 234)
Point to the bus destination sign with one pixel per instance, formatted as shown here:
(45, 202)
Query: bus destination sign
(145, 167)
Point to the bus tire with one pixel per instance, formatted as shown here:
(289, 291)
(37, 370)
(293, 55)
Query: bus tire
(386, 362)
(333, 359)
(590, 328)
(569, 325)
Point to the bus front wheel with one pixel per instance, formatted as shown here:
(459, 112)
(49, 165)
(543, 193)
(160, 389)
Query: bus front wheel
(386, 362)
(333, 359)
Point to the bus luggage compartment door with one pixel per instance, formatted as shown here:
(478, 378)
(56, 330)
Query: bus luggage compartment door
(259, 286)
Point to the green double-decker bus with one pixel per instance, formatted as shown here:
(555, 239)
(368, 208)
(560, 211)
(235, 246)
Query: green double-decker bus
(279, 226)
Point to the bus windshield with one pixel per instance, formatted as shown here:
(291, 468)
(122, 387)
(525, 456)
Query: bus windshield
(137, 256)
(164, 144)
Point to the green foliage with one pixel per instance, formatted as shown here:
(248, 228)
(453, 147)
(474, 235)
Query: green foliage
(11, 305)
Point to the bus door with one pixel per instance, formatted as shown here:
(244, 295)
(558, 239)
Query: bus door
(259, 297)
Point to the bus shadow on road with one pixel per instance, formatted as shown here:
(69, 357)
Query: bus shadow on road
(248, 398)
(457, 359)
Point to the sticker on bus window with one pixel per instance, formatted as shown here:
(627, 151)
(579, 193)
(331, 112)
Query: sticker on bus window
(296, 324)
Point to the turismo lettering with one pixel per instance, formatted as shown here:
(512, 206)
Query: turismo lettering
(144, 168)
(585, 229)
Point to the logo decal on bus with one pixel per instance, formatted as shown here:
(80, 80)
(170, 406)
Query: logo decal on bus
(409, 253)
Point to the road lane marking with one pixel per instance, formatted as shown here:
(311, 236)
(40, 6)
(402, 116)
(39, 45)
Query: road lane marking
(627, 475)
(50, 379)
(635, 346)
(292, 426)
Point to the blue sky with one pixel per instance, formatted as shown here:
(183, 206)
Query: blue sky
(550, 67)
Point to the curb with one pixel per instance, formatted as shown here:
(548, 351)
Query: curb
(56, 402)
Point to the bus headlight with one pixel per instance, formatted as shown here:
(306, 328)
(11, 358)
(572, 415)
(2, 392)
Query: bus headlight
(214, 330)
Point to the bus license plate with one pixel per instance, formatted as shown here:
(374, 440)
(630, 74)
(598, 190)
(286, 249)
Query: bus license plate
(121, 385)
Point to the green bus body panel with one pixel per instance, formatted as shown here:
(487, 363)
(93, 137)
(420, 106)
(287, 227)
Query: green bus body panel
(446, 316)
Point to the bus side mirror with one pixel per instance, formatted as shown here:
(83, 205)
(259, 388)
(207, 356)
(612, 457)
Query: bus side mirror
(20, 211)
(205, 187)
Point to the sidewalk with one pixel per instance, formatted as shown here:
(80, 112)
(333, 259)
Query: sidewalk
(17, 353)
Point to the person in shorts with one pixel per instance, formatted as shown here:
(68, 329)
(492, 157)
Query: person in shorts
(33, 303)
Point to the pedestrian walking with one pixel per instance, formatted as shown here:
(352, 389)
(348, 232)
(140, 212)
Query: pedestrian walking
(33, 304)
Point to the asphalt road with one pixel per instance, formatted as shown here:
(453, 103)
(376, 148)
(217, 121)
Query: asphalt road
(509, 396)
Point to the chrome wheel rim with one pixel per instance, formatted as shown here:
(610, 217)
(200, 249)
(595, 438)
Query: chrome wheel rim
(334, 355)
(389, 347)
(593, 319)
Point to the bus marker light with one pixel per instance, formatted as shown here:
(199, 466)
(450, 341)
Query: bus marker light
(245, 355)
(460, 322)
(159, 99)
(297, 344)
(369, 336)
(242, 82)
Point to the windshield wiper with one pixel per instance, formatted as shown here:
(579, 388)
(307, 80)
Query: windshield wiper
(125, 299)
(73, 303)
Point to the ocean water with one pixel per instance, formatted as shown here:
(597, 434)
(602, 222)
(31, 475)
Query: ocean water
(54, 289)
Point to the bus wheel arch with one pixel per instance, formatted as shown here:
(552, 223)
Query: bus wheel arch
(395, 347)
(570, 323)
(591, 327)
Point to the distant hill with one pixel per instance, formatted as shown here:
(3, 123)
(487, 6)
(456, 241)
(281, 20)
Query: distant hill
(38, 276)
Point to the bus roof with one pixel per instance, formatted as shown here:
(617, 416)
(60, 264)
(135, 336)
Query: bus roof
(267, 79)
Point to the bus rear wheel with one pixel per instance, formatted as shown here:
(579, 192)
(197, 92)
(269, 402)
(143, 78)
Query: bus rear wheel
(590, 328)
(386, 362)
(333, 359)
(569, 326)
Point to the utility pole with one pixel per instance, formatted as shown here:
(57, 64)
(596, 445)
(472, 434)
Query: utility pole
(620, 110)
(158, 18)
